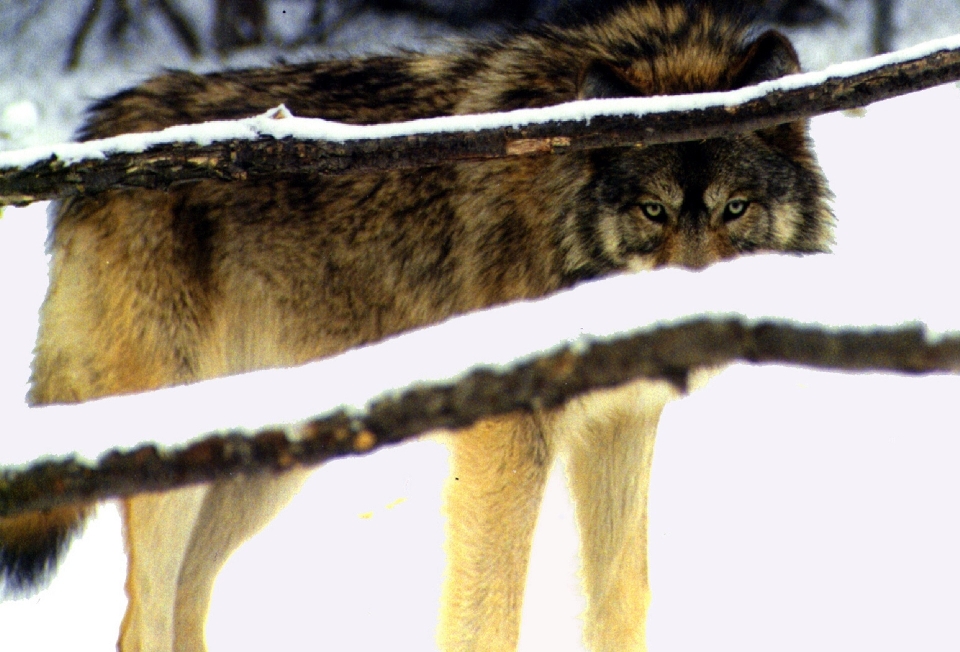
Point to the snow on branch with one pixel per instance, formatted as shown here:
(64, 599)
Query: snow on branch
(523, 356)
(279, 143)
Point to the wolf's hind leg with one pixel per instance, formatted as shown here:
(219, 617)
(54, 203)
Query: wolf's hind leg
(232, 511)
(157, 529)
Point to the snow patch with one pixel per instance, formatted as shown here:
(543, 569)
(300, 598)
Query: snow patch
(20, 115)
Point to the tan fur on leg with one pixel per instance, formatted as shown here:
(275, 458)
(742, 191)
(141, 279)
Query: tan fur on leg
(493, 497)
(610, 438)
(232, 511)
(157, 528)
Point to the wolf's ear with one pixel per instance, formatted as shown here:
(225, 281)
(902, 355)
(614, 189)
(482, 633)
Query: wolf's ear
(770, 56)
(601, 79)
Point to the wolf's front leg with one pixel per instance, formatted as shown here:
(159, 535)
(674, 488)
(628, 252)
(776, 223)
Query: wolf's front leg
(609, 437)
(499, 470)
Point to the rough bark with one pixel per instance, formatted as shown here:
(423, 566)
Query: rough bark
(546, 380)
(161, 165)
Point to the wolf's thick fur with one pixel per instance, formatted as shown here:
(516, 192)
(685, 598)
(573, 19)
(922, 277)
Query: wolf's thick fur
(154, 288)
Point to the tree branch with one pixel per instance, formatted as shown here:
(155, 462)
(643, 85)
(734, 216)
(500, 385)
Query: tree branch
(540, 380)
(261, 146)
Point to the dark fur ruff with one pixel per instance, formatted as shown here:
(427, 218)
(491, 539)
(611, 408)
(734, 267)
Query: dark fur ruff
(155, 288)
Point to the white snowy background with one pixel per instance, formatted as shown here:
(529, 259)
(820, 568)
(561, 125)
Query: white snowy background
(790, 509)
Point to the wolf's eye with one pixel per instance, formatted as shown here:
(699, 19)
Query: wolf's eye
(654, 211)
(735, 208)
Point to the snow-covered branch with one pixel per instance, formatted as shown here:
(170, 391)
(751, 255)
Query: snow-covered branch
(522, 356)
(266, 145)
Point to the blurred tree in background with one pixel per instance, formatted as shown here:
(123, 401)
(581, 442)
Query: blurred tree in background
(241, 23)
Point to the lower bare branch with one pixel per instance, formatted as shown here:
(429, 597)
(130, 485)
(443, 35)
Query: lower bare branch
(542, 381)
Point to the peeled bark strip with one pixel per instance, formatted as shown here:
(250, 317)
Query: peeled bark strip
(667, 351)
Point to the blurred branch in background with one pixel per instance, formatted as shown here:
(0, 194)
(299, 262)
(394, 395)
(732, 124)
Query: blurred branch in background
(123, 18)
(883, 26)
(243, 23)
(239, 23)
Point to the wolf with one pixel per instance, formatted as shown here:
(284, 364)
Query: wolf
(154, 288)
